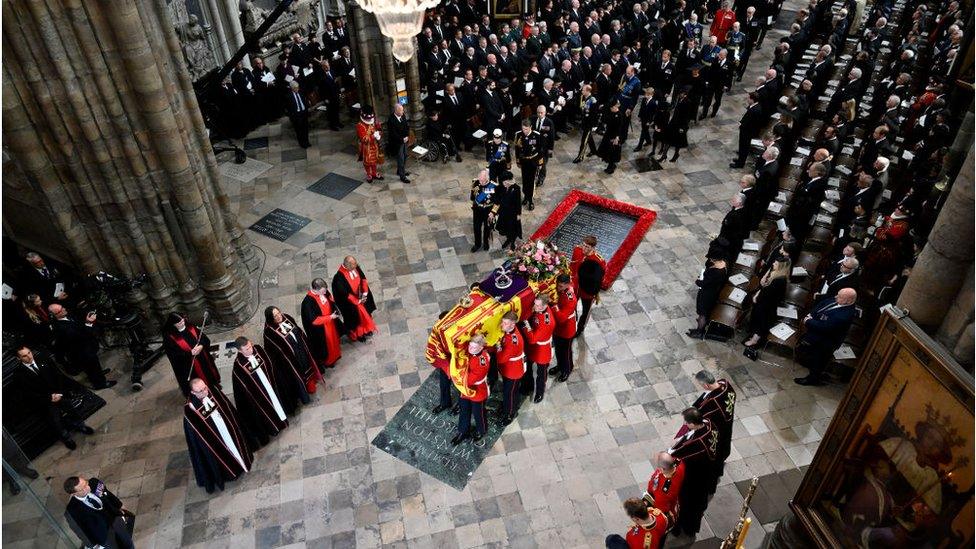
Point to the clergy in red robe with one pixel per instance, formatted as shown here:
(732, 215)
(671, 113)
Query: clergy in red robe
(320, 317)
(286, 342)
(218, 450)
(187, 348)
(260, 410)
(354, 300)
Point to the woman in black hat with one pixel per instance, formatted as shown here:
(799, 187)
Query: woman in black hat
(710, 284)
(676, 134)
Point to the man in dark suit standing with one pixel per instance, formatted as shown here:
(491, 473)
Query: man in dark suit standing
(735, 225)
(46, 280)
(98, 513)
(297, 109)
(749, 126)
(77, 342)
(454, 117)
(765, 174)
(329, 93)
(43, 385)
(826, 328)
(398, 134)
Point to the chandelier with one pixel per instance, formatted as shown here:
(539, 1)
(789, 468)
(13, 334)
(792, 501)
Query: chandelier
(401, 20)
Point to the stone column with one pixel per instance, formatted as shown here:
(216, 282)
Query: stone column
(941, 269)
(956, 331)
(223, 48)
(235, 33)
(414, 102)
(100, 117)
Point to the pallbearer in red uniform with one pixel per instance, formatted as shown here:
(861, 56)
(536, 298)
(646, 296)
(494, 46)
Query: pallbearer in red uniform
(565, 311)
(510, 356)
(286, 343)
(538, 346)
(218, 450)
(696, 449)
(186, 348)
(320, 317)
(664, 486)
(354, 300)
(587, 267)
(717, 405)
(256, 395)
(369, 132)
(478, 361)
(648, 531)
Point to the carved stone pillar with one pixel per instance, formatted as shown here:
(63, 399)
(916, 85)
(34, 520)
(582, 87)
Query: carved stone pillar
(941, 270)
(100, 117)
(414, 102)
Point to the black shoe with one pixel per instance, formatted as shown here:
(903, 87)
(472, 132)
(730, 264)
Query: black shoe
(69, 443)
(638, 148)
(562, 377)
(85, 430)
(459, 438)
(108, 384)
(457, 158)
(554, 370)
(735, 165)
(439, 408)
(475, 248)
(477, 437)
(538, 398)
(809, 380)
(405, 180)
(696, 333)
(610, 169)
(577, 160)
(675, 157)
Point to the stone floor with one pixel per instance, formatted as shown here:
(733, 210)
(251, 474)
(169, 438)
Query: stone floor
(558, 475)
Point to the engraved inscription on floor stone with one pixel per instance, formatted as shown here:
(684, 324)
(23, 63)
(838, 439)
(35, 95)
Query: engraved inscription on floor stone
(610, 228)
(245, 172)
(280, 224)
(335, 186)
(422, 439)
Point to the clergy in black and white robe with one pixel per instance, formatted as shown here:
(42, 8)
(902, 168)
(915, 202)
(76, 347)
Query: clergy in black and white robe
(256, 395)
(286, 342)
(218, 449)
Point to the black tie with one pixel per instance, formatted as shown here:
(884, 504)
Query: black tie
(45, 273)
(95, 505)
(33, 368)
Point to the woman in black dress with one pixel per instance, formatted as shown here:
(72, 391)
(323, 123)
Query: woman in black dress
(660, 123)
(509, 216)
(710, 284)
(772, 290)
(676, 134)
(614, 137)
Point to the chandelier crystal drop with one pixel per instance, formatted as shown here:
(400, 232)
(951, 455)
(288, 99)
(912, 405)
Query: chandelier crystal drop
(401, 20)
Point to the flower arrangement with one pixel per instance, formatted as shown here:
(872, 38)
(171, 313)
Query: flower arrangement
(538, 260)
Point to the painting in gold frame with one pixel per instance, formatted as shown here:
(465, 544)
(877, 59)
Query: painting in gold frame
(895, 466)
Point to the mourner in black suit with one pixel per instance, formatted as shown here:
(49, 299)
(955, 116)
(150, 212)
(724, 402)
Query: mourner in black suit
(508, 217)
(329, 93)
(735, 225)
(806, 201)
(43, 386)
(297, 108)
(98, 513)
(77, 342)
(397, 135)
(826, 327)
(709, 284)
(42, 278)
(750, 124)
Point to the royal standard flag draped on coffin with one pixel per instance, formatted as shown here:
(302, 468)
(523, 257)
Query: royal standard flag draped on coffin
(530, 272)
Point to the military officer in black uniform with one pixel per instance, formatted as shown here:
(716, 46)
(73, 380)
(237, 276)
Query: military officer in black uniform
(482, 205)
(498, 155)
(528, 155)
(589, 121)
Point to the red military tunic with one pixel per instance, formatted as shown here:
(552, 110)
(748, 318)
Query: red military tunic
(477, 377)
(539, 336)
(511, 355)
(574, 266)
(566, 314)
(722, 24)
(648, 537)
(664, 491)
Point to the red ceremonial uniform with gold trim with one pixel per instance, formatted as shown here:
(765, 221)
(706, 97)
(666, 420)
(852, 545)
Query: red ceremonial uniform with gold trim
(539, 338)
(665, 490)
(477, 374)
(576, 261)
(648, 537)
(566, 314)
(511, 355)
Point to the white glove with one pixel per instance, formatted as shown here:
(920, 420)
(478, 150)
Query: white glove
(376, 136)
